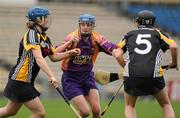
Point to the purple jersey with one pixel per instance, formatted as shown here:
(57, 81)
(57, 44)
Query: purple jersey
(89, 51)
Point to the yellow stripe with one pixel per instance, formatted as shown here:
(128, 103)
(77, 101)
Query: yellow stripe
(39, 36)
(166, 39)
(23, 72)
(53, 49)
(44, 37)
(121, 44)
(161, 72)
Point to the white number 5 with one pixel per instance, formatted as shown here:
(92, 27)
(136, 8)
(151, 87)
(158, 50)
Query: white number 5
(141, 39)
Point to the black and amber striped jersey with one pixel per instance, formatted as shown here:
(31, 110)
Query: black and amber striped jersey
(26, 68)
(144, 47)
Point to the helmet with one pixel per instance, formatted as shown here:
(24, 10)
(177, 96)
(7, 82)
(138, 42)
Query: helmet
(38, 15)
(35, 12)
(87, 18)
(146, 17)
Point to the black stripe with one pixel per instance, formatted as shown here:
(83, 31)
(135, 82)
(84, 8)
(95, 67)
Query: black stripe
(113, 77)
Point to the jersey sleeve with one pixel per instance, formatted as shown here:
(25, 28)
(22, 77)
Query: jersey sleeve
(52, 48)
(122, 44)
(30, 40)
(105, 45)
(165, 41)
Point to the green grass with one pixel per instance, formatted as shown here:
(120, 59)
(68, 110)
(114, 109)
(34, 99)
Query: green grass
(59, 109)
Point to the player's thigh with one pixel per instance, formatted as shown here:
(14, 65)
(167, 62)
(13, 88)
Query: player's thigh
(93, 98)
(130, 100)
(81, 103)
(13, 107)
(35, 105)
(162, 97)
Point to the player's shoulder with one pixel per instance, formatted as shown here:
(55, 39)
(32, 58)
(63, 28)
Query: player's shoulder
(130, 33)
(72, 35)
(96, 34)
(162, 33)
(32, 31)
(144, 30)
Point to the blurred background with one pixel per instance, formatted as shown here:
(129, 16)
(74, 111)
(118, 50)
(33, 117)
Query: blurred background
(114, 18)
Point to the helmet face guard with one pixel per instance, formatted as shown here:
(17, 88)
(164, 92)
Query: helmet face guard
(40, 16)
(44, 22)
(87, 20)
(146, 17)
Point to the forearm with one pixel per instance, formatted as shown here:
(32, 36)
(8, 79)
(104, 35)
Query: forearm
(121, 61)
(118, 54)
(60, 56)
(44, 67)
(174, 55)
(107, 47)
(63, 47)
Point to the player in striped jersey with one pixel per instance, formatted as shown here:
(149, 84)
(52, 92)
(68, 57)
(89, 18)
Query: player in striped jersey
(33, 48)
(143, 72)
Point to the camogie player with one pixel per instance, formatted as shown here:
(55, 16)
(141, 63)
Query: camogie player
(33, 48)
(143, 71)
(78, 80)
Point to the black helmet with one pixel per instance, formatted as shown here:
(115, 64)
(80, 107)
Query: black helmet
(146, 17)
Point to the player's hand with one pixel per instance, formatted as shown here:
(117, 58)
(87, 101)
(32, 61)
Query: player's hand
(75, 51)
(173, 65)
(54, 83)
(75, 40)
(117, 53)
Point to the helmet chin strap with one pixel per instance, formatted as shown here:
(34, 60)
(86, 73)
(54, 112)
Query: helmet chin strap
(44, 29)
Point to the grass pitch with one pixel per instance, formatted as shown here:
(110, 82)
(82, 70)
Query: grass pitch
(56, 108)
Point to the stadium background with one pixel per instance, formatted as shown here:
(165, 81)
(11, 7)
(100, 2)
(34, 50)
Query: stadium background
(114, 18)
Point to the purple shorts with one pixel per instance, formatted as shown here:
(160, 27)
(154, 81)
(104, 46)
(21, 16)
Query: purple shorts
(77, 83)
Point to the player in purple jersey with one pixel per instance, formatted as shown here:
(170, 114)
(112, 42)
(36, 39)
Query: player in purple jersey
(78, 78)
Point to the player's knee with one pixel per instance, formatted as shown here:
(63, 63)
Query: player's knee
(166, 106)
(96, 110)
(130, 106)
(41, 114)
(10, 112)
(85, 113)
(168, 109)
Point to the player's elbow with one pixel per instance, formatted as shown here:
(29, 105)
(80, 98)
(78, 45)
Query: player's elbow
(53, 58)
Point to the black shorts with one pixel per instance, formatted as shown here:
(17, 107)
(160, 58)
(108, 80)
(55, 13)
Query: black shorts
(143, 86)
(18, 91)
